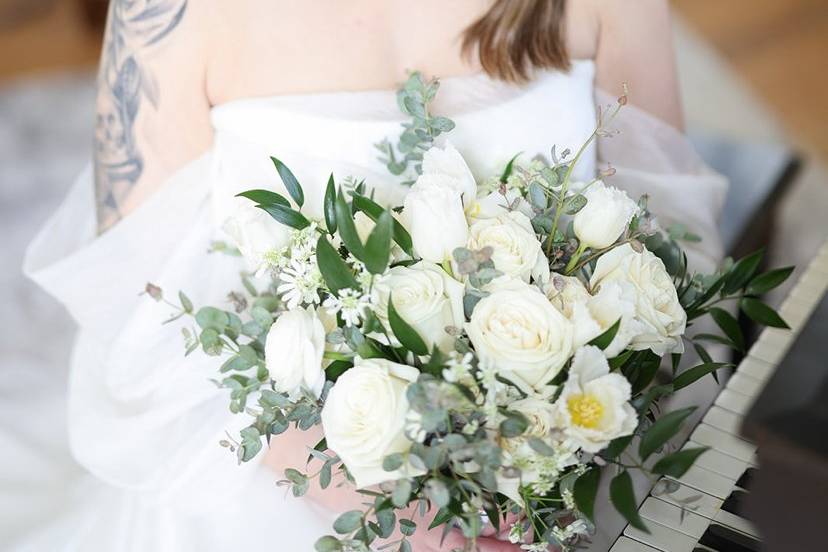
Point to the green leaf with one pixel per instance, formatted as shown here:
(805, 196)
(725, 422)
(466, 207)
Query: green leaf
(407, 527)
(585, 490)
(622, 497)
(759, 312)
(695, 373)
(348, 522)
(677, 463)
(286, 215)
(664, 429)
(616, 447)
(212, 318)
(251, 443)
(741, 272)
(729, 325)
(378, 245)
(392, 462)
(603, 341)
(328, 543)
(347, 228)
(401, 494)
(437, 492)
(330, 205)
(265, 197)
(765, 282)
(407, 335)
(386, 519)
(507, 172)
(335, 272)
(375, 211)
(291, 184)
(186, 304)
(574, 204)
(514, 425)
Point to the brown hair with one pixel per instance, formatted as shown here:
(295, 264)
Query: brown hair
(516, 36)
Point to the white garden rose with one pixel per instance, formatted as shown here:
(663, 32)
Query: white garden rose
(657, 305)
(593, 408)
(426, 297)
(294, 349)
(614, 301)
(605, 216)
(364, 419)
(256, 234)
(434, 216)
(496, 203)
(447, 163)
(518, 331)
(516, 250)
(565, 292)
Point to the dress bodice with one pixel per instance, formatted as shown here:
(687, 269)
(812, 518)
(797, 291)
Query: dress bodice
(315, 134)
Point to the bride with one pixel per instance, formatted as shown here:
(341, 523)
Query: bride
(194, 96)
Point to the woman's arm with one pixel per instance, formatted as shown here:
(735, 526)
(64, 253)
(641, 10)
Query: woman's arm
(152, 110)
(635, 46)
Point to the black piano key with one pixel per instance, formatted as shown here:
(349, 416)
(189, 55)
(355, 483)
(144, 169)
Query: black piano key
(735, 503)
(747, 478)
(723, 539)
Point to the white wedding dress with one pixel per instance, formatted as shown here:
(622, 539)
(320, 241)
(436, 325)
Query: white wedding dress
(146, 472)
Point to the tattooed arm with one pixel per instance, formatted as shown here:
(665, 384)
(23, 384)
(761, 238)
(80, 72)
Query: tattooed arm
(152, 109)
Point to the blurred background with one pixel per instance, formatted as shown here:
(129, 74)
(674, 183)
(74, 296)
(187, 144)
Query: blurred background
(754, 83)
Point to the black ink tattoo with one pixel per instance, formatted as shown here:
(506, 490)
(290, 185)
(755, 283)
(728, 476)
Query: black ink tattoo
(134, 26)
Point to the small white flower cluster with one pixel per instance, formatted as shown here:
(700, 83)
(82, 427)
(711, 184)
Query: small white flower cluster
(351, 305)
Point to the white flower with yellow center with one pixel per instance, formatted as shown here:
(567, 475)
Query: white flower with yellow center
(593, 408)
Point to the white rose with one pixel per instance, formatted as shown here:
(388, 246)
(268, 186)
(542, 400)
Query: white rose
(522, 335)
(593, 408)
(450, 165)
(605, 216)
(425, 297)
(565, 292)
(516, 249)
(614, 301)
(657, 305)
(294, 349)
(364, 418)
(255, 234)
(435, 218)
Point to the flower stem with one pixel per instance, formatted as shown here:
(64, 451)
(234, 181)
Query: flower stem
(574, 259)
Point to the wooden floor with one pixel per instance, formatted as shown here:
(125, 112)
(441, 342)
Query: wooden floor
(779, 46)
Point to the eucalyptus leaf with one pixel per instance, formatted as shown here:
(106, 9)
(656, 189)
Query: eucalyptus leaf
(348, 522)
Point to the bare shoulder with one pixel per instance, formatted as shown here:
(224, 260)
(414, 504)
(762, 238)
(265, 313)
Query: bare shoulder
(635, 47)
(152, 60)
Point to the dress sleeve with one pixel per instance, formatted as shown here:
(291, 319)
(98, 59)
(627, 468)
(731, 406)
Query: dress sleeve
(653, 158)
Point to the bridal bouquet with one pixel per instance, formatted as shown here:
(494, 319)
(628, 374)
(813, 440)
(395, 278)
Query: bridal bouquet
(487, 351)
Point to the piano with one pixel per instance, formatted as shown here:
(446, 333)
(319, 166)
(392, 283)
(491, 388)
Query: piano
(776, 419)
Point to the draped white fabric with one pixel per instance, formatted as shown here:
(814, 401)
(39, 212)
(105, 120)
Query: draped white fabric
(146, 471)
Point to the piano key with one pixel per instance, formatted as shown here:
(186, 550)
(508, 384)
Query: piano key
(626, 544)
(772, 345)
(738, 523)
(707, 481)
(744, 384)
(662, 538)
(725, 420)
(756, 368)
(734, 401)
(747, 478)
(692, 499)
(669, 515)
(723, 442)
(719, 537)
(718, 462)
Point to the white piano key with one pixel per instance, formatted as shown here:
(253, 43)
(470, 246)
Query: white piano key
(626, 544)
(725, 420)
(736, 522)
(669, 515)
(744, 384)
(757, 368)
(772, 345)
(692, 499)
(720, 463)
(797, 309)
(723, 442)
(707, 481)
(662, 538)
(734, 401)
